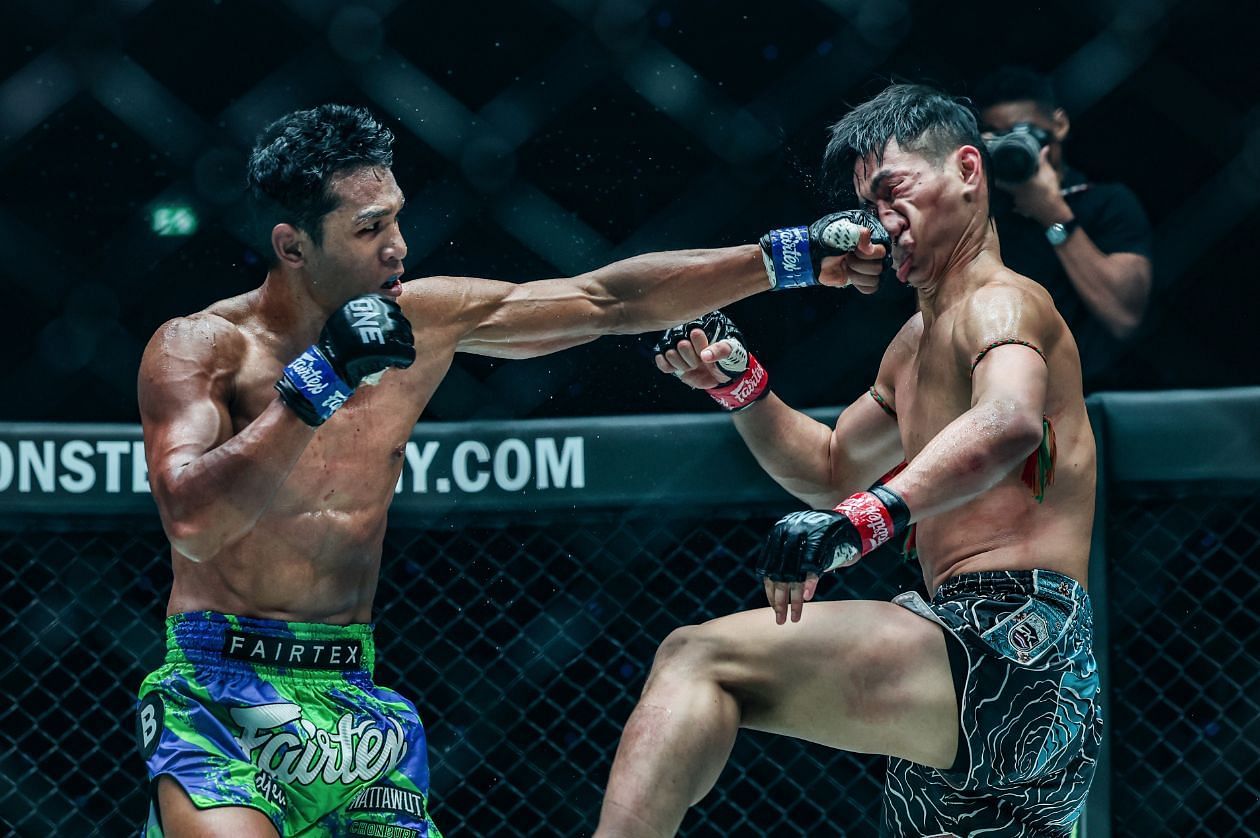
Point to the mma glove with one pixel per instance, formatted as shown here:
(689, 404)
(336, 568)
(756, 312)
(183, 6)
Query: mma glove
(749, 379)
(793, 255)
(816, 541)
(360, 341)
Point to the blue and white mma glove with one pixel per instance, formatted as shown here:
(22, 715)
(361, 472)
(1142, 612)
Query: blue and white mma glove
(359, 342)
(793, 255)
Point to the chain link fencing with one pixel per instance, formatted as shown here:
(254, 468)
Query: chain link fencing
(524, 630)
(524, 646)
(1184, 604)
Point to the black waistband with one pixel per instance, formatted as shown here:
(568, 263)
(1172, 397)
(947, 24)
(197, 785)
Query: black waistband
(1024, 582)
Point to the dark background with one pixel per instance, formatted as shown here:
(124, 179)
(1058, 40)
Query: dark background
(546, 138)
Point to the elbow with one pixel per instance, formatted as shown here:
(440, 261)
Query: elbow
(1008, 436)
(189, 529)
(1124, 324)
(185, 540)
(1130, 308)
(192, 539)
(1020, 435)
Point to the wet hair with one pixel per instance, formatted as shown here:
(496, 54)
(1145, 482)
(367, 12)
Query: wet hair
(296, 158)
(921, 119)
(1016, 84)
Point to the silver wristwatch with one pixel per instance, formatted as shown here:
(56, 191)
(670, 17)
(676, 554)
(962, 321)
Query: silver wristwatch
(1057, 233)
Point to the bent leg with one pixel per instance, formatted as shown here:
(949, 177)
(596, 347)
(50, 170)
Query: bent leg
(869, 677)
(181, 819)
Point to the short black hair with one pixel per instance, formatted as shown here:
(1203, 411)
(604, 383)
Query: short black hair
(1016, 84)
(296, 157)
(922, 119)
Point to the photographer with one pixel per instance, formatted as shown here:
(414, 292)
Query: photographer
(1088, 243)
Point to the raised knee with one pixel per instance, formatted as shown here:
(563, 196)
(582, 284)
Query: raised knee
(688, 649)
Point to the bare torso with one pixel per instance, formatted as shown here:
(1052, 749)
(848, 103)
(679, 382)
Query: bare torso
(280, 521)
(314, 555)
(1004, 528)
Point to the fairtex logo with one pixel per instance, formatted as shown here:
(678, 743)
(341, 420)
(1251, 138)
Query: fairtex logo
(748, 387)
(354, 752)
(789, 254)
(306, 368)
(870, 519)
(334, 401)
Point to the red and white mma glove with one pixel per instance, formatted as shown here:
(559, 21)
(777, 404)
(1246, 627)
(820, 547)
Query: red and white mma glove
(816, 541)
(749, 379)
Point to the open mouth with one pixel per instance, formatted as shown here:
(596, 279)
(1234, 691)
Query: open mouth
(392, 283)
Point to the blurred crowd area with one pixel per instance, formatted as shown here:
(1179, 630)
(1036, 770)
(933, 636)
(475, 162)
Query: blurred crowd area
(549, 137)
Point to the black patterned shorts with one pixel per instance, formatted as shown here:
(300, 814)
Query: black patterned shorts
(1021, 651)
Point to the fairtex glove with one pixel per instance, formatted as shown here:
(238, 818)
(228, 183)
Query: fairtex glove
(361, 340)
(816, 541)
(749, 379)
(793, 255)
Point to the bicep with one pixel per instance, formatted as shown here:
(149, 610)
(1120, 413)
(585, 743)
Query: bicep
(1013, 376)
(866, 443)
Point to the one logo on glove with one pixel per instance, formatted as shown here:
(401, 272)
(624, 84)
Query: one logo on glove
(737, 361)
(368, 319)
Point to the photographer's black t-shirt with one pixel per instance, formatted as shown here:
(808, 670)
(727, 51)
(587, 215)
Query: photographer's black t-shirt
(1116, 223)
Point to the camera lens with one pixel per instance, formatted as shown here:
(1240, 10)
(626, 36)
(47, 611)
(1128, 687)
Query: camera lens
(1015, 156)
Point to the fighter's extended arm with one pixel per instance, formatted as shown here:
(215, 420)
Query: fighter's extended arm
(1008, 401)
(639, 294)
(211, 486)
(647, 292)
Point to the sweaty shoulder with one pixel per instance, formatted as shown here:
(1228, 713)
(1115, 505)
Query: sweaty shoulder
(1009, 308)
(435, 301)
(206, 343)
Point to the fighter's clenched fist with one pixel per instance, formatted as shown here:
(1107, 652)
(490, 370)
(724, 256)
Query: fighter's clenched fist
(709, 354)
(361, 340)
(794, 256)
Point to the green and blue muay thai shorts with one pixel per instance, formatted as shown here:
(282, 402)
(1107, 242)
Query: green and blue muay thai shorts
(284, 718)
(1020, 645)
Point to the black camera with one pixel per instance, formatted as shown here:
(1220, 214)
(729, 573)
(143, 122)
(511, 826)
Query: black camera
(1016, 153)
